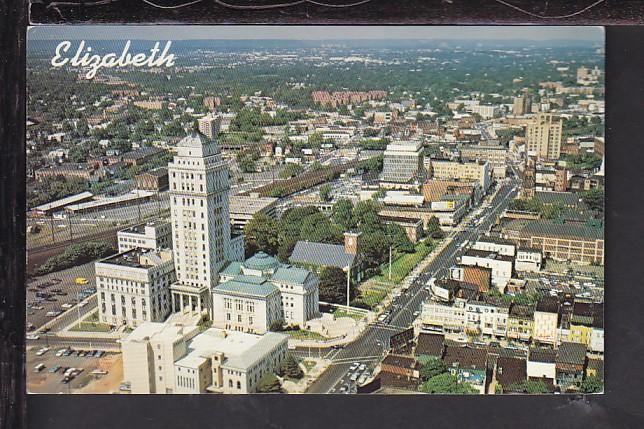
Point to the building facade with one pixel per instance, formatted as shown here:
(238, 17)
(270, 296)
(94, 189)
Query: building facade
(200, 220)
(403, 162)
(165, 358)
(262, 275)
(134, 287)
(543, 136)
(151, 235)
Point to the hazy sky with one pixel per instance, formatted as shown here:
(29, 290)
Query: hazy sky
(175, 32)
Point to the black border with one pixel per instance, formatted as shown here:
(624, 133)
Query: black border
(619, 407)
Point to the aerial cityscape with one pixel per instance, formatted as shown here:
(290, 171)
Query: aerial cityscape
(378, 212)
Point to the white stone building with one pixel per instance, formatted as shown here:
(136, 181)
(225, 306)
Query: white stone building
(165, 358)
(257, 279)
(151, 235)
(199, 188)
(134, 287)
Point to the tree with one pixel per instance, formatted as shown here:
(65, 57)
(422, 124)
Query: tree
(594, 199)
(433, 367)
(318, 228)
(434, 228)
(447, 383)
(325, 192)
(399, 239)
(291, 368)
(269, 383)
(276, 326)
(592, 385)
(262, 234)
(366, 217)
(342, 214)
(246, 163)
(333, 285)
(290, 170)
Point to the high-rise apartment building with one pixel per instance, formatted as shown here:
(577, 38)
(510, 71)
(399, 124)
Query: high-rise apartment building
(522, 104)
(403, 161)
(209, 126)
(200, 220)
(543, 136)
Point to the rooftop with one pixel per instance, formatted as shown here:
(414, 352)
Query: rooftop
(139, 258)
(249, 205)
(542, 355)
(241, 350)
(465, 357)
(261, 261)
(247, 285)
(574, 353)
(510, 370)
(430, 344)
(323, 254)
(487, 255)
(553, 229)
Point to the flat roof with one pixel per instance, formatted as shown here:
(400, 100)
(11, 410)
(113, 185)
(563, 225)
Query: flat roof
(138, 258)
(487, 255)
(241, 350)
(249, 205)
(64, 201)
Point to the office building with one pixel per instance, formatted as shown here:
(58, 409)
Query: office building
(243, 208)
(522, 104)
(464, 170)
(134, 287)
(151, 235)
(200, 220)
(403, 162)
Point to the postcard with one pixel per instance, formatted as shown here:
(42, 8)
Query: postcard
(325, 209)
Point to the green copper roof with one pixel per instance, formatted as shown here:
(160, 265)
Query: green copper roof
(261, 261)
(287, 274)
(245, 285)
(232, 269)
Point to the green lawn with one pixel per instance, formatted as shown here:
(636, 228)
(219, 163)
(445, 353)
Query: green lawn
(342, 312)
(308, 364)
(305, 335)
(91, 324)
(91, 327)
(403, 264)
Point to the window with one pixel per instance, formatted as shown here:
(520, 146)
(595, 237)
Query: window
(230, 383)
(239, 385)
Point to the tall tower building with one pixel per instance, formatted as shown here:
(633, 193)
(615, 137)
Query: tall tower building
(543, 136)
(529, 178)
(522, 104)
(209, 126)
(200, 220)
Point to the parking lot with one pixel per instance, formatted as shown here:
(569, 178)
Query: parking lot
(86, 373)
(59, 292)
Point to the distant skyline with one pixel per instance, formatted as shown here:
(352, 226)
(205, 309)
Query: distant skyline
(246, 32)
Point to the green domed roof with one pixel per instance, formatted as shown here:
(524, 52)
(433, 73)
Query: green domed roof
(261, 261)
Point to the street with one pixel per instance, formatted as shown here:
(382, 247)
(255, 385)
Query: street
(372, 345)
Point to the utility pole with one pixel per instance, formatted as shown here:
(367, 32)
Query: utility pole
(348, 286)
(78, 309)
(71, 234)
(51, 225)
(390, 262)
